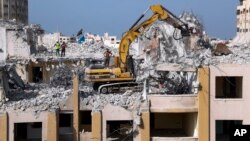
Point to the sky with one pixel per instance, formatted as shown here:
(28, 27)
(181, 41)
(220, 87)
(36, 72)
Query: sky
(116, 16)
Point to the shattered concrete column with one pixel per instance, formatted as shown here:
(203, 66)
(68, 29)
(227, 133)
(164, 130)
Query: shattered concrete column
(76, 107)
(203, 107)
(96, 126)
(3, 127)
(53, 122)
(145, 127)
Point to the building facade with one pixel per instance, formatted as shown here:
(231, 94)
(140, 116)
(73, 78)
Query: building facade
(243, 17)
(14, 9)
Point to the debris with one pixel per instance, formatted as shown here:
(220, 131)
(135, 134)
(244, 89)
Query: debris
(221, 49)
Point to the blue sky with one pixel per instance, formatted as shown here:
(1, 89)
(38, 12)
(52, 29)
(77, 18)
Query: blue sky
(116, 16)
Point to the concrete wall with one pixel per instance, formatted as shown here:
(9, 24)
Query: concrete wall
(3, 45)
(191, 124)
(118, 113)
(48, 40)
(229, 108)
(203, 102)
(96, 126)
(16, 45)
(53, 124)
(17, 9)
(3, 127)
(2, 90)
(173, 103)
(22, 71)
(27, 117)
(48, 69)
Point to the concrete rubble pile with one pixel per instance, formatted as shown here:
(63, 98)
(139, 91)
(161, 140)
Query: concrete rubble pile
(95, 50)
(170, 50)
(174, 52)
(10, 24)
(62, 76)
(36, 98)
(128, 100)
(75, 50)
(14, 80)
(193, 21)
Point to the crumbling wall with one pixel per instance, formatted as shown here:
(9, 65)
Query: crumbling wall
(3, 50)
(2, 90)
(48, 40)
(21, 70)
(17, 45)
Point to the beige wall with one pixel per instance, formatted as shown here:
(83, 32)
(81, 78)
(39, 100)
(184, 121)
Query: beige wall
(27, 117)
(3, 127)
(176, 103)
(110, 113)
(229, 109)
(203, 101)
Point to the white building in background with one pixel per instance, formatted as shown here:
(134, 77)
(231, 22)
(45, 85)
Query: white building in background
(243, 17)
(110, 41)
(243, 22)
(14, 9)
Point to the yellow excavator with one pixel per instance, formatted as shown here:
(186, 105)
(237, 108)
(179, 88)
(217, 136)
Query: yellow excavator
(121, 73)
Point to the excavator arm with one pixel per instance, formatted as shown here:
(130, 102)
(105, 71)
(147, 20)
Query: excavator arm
(159, 13)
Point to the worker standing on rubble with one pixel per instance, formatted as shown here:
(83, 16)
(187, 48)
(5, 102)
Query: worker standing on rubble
(63, 47)
(107, 55)
(57, 47)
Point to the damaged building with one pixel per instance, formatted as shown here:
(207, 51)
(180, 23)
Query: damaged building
(189, 92)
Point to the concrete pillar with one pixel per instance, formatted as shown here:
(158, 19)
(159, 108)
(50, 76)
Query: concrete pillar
(96, 126)
(203, 107)
(3, 127)
(53, 125)
(145, 127)
(76, 107)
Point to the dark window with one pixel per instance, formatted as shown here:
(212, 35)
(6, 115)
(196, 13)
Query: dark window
(21, 132)
(241, 2)
(238, 12)
(238, 29)
(86, 117)
(65, 120)
(36, 125)
(222, 128)
(37, 74)
(172, 124)
(228, 87)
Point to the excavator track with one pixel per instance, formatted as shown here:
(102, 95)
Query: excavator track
(120, 87)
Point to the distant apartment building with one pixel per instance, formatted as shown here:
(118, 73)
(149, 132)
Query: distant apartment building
(243, 17)
(14, 9)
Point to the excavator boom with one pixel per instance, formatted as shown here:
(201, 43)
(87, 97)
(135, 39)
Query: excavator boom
(159, 13)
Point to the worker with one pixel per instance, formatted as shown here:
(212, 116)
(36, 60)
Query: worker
(57, 47)
(107, 55)
(63, 47)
